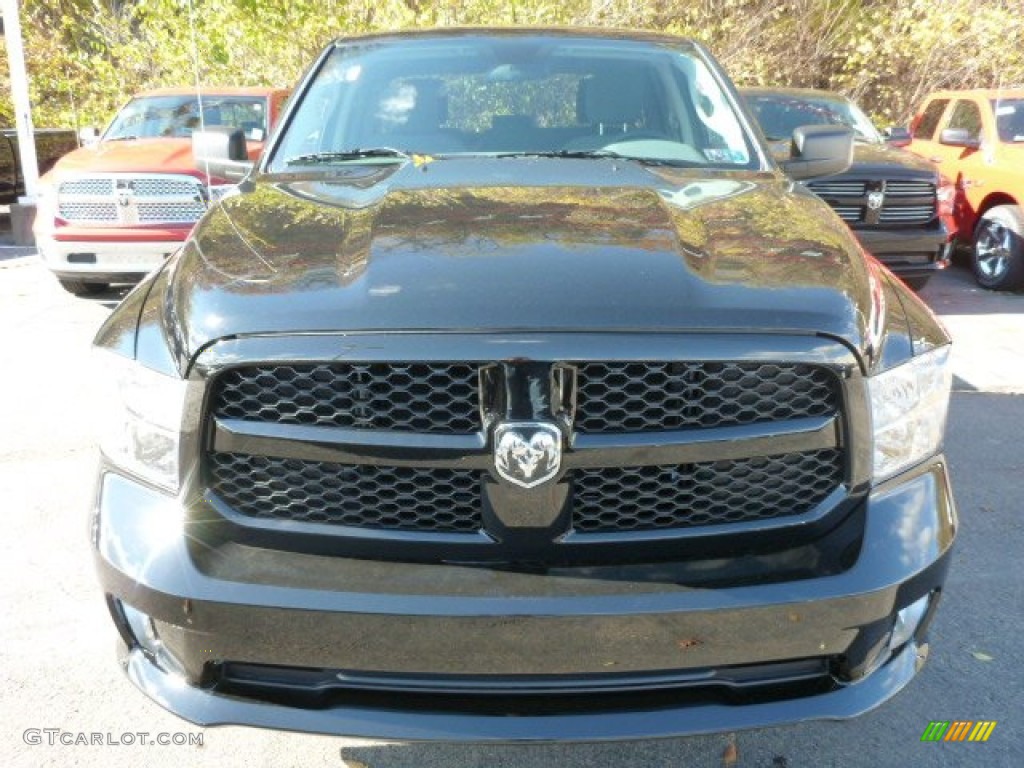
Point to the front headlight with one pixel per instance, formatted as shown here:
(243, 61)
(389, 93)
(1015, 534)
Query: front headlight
(908, 411)
(141, 427)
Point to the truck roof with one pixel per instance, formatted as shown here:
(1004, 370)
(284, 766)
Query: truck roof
(209, 90)
(598, 33)
(985, 93)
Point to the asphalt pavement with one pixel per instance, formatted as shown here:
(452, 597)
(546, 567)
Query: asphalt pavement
(65, 702)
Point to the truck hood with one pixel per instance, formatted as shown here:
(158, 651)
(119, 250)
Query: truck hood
(884, 161)
(134, 156)
(520, 244)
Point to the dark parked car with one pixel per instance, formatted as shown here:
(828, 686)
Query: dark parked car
(51, 145)
(898, 205)
(518, 394)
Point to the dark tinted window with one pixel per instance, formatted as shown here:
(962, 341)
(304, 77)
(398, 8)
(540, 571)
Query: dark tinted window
(929, 121)
(8, 169)
(967, 116)
(778, 114)
(1009, 119)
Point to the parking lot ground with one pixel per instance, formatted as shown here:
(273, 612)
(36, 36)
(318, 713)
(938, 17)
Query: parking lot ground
(57, 667)
(987, 326)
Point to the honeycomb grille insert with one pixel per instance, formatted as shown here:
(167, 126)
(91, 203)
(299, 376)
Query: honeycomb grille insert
(88, 211)
(650, 397)
(385, 498)
(415, 397)
(127, 200)
(705, 493)
(157, 187)
(167, 211)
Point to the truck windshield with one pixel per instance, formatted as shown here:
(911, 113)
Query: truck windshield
(778, 114)
(177, 116)
(501, 96)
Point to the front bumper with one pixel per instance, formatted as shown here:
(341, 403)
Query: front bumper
(913, 253)
(104, 261)
(431, 651)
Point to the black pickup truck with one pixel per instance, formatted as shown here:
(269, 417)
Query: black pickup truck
(518, 394)
(897, 204)
(51, 145)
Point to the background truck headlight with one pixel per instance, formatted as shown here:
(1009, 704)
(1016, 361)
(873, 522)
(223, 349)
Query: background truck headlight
(908, 411)
(142, 423)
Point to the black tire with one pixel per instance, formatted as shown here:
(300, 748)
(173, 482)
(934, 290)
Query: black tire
(916, 283)
(997, 255)
(83, 288)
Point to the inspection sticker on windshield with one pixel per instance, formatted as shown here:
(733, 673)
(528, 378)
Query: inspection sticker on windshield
(722, 155)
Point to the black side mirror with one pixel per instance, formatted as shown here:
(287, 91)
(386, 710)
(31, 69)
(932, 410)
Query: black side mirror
(819, 150)
(220, 152)
(959, 137)
(897, 135)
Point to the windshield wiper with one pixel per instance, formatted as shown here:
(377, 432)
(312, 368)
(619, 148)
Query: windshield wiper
(345, 155)
(586, 154)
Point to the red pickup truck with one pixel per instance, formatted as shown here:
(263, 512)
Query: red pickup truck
(112, 211)
(976, 137)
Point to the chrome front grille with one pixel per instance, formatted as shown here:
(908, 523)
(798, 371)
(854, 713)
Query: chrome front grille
(838, 188)
(909, 188)
(848, 213)
(405, 448)
(903, 202)
(88, 187)
(172, 213)
(906, 214)
(160, 187)
(129, 199)
(90, 212)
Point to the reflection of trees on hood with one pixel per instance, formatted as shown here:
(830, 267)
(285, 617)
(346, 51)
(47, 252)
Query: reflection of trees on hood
(311, 233)
(289, 232)
(763, 234)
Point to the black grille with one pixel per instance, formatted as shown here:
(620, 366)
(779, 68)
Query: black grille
(445, 399)
(414, 397)
(387, 498)
(709, 493)
(642, 397)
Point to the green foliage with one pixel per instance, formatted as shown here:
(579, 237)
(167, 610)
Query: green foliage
(86, 57)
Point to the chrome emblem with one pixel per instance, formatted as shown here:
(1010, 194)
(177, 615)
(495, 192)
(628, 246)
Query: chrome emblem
(527, 453)
(124, 190)
(875, 200)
